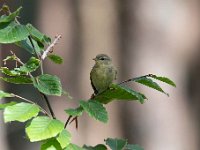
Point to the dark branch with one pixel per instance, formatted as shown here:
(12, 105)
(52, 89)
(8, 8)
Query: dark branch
(49, 106)
(68, 121)
(133, 79)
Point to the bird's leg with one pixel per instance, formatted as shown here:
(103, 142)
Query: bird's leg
(92, 96)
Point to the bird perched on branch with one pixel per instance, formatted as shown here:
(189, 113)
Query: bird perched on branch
(102, 74)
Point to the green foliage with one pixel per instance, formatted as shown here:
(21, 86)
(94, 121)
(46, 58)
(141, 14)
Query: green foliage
(150, 83)
(32, 46)
(37, 35)
(20, 112)
(55, 58)
(17, 80)
(118, 92)
(9, 72)
(11, 17)
(32, 64)
(42, 128)
(116, 144)
(12, 32)
(121, 144)
(48, 129)
(48, 84)
(145, 80)
(74, 112)
(95, 109)
(163, 79)
(5, 94)
(64, 138)
(73, 147)
(3, 106)
(51, 144)
(97, 147)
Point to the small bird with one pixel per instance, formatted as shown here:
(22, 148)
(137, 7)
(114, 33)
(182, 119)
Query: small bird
(102, 74)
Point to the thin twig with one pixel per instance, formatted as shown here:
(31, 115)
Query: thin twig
(132, 79)
(76, 121)
(16, 58)
(20, 62)
(49, 105)
(73, 119)
(50, 47)
(29, 101)
(68, 119)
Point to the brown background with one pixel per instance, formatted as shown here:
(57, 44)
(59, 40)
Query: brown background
(142, 36)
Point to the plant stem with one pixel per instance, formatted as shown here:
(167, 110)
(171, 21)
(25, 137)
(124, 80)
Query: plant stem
(42, 72)
(50, 47)
(49, 105)
(29, 101)
(133, 79)
(38, 56)
(68, 119)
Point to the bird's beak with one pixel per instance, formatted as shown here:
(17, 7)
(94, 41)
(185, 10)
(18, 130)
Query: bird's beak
(94, 59)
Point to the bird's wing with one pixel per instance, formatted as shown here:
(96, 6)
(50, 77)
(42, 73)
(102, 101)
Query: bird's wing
(95, 90)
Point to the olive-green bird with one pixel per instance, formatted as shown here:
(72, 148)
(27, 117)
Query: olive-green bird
(103, 73)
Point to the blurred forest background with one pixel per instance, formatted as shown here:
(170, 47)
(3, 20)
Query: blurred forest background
(142, 36)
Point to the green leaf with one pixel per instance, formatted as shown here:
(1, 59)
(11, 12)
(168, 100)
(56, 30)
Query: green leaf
(5, 94)
(20, 112)
(95, 109)
(37, 35)
(12, 33)
(150, 83)
(26, 44)
(3, 106)
(18, 80)
(51, 144)
(64, 138)
(164, 79)
(48, 84)
(73, 147)
(97, 147)
(9, 72)
(32, 64)
(133, 147)
(74, 112)
(117, 92)
(116, 144)
(42, 128)
(56, 59)
(10, 17)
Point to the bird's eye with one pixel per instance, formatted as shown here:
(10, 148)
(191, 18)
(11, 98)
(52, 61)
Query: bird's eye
(102, 58)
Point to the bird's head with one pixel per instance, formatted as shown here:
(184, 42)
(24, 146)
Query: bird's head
(102, 59)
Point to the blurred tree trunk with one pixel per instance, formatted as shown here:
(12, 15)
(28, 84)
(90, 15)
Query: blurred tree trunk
(193, 93)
